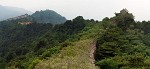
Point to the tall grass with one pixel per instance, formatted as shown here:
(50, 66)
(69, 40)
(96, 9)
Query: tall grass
(71, 57)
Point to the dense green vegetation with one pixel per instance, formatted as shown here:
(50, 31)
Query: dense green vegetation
(76, 51)
(121, 42)
(22, 44)
(123, 45)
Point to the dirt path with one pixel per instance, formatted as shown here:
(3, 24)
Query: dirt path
(92, 51)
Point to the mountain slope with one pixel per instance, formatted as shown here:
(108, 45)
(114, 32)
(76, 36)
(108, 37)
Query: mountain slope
(48, 16)
(22, 44)
(9, 12)
(78, 54)
(121, 43)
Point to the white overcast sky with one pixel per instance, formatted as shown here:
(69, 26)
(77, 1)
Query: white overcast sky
(90, 9)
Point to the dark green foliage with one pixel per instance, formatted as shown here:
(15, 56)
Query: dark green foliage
(123, 42)
(40, 45)
(143, 27)
(106, 23)
(22, 44)
(136, 61)
(146, 39)
(124, 19)
(146, 27)
(131, 61)
(111, 43)
(16, 39)
(68, 28)
(71, 27)
(123, 45)
(107, 64)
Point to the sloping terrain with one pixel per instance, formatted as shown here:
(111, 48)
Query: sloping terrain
(78, 54)
(118, 42)
(48, 16)
(75, 56)
(38, 41)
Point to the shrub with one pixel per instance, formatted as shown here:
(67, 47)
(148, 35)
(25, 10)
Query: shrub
(49, 52)
(137, 60)
(107, 64)
(34, 62)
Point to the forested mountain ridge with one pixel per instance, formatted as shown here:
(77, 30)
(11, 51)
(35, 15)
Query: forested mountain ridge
(121, 43)
(43, 16)
(25, 42)
(48, 16)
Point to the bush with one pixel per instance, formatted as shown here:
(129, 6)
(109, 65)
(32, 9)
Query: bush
(146, 39)
(49, 52)
(34, 62)
(107, 64)
(65, 44)
(147, 63)
(137, 60)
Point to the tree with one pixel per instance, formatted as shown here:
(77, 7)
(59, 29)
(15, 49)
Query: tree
(78, 19)
(41, 44)
(107, 64)
(111, 43)
(146, 39)
(124, 19)
(146, 27)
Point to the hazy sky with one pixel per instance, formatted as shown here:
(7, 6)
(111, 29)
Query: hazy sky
(96, 9)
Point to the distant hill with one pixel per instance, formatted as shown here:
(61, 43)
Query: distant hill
(48, 16)
(9, 12)
(43, 16)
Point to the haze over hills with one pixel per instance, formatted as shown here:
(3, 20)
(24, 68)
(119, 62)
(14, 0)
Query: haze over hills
(9, 12)
(42, 16)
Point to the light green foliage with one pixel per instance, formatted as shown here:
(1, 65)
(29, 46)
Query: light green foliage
(34, 62)
(75, 56)
(50, 52)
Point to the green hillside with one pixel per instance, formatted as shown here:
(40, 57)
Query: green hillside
(118, 42)
(78, 54)
(48, 16)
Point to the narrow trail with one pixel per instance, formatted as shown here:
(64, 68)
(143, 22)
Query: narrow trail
(92, 51)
